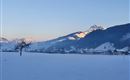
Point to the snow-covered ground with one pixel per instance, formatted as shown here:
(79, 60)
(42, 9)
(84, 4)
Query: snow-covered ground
(38, 66)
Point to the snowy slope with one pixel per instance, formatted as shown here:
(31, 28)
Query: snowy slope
(125, 37)
(105, 47)
(33, 66)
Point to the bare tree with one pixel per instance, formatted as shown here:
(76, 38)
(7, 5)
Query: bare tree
(21, 45)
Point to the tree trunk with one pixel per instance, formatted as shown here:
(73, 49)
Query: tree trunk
(20, 52)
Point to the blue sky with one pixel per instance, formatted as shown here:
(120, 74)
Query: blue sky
(47, 19)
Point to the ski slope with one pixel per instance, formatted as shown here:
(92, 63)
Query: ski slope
(40, 66)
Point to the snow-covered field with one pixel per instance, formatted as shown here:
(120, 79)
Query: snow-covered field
(38, 66)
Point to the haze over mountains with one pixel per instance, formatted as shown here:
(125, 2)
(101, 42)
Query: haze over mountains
(96, 38)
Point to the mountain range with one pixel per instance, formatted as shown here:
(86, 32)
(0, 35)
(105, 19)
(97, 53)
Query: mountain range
(95, 38)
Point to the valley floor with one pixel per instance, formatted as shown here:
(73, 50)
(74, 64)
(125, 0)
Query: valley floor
(39, 66)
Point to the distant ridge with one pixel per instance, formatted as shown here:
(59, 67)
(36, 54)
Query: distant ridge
(95, 38)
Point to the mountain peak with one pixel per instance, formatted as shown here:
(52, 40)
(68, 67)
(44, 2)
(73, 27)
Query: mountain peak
(95, 27)
(82, 34)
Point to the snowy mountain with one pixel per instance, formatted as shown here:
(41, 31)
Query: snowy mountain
(118, 35)
(70, 37)
(96, 38)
